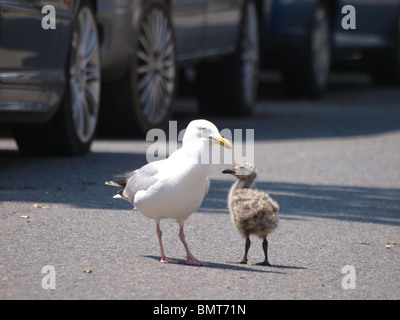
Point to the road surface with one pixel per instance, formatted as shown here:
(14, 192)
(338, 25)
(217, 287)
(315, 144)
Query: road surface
(332, 164)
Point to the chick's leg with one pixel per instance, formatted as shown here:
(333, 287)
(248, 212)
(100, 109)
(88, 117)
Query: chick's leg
(246, 250)
(265, 248)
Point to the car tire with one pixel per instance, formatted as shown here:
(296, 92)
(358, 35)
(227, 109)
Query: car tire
(73, 127)
(385, 65)
(229, 86)
(144, 97)
(306, 71)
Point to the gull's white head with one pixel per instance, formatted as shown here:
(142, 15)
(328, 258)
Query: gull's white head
(204, 131)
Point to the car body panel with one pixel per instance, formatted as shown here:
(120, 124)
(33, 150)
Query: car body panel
(288, 22)
(374, 25)
(118, 21)
(188, 18)
(222, 24)
(32, 67)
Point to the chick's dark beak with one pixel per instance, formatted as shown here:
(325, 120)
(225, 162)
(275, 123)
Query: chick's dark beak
(228, 171)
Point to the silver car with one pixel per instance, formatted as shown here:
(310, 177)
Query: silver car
(59, 59)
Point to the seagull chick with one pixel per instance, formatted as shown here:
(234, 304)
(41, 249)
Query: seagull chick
(252, 211)
(174, 187)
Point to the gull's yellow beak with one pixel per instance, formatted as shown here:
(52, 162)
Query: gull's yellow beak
(223, 142)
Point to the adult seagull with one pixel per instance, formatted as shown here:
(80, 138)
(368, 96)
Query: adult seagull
(174, 187)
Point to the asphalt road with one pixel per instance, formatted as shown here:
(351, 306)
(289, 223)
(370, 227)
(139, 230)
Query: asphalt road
(332, 164)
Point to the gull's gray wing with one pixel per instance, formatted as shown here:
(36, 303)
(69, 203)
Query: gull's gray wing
(141, 179)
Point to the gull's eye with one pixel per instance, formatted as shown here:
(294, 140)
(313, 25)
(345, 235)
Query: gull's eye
(204, 130)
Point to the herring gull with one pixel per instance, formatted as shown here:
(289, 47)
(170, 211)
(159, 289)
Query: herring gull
(176, 186)
(252, 211)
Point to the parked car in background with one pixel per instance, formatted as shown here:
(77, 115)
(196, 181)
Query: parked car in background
(50, 78)
(302, 38)
(144, 50)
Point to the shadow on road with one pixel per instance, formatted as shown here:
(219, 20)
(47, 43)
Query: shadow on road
(237, 267)
(79, 182)
(302, 201)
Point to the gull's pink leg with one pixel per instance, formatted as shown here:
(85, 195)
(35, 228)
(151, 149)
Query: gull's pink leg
(190, 259)
(164, 259)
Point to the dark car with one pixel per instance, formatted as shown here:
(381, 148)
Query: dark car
(303, 37)
(56, 55)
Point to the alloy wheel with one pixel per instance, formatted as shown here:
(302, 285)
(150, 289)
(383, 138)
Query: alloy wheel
(84, 74)
(156, 66)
